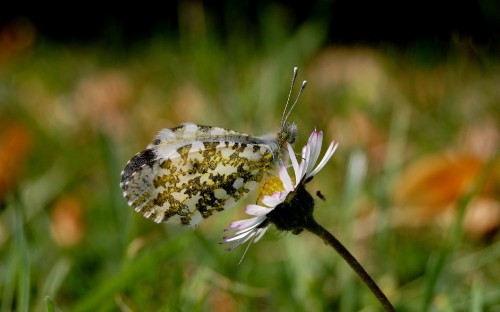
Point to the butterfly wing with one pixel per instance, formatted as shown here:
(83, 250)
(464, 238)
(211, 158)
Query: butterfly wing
(190, 172)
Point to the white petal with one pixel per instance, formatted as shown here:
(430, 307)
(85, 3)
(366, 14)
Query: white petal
(272, 201)
(260, 233)
(243, 224)
(305, 161)
(239, 236)
(329, 153)
(256, 222)
(242, 241)
(300, 173)
(304, 149)
(257, 210)
(315, 146)
(285, 178)
(293, 158)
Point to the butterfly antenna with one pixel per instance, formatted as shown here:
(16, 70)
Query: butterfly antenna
(302, 87)
(294, 77)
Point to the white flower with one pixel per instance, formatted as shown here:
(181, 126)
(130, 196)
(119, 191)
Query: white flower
(254, 228)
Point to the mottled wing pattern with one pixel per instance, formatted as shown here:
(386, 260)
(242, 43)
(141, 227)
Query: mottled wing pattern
(190, 172)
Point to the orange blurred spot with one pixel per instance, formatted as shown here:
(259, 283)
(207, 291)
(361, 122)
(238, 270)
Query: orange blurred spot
(430, 188)
(482, 217)
(100, 99)
(220, 300)
(67, 221)
(16, 36)
(188, 103)
(15, 145)
(437, 181)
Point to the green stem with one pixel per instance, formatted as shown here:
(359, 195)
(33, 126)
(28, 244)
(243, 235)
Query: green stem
(331, 240)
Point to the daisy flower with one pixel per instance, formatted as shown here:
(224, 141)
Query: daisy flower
(289, 206)
(291, 209)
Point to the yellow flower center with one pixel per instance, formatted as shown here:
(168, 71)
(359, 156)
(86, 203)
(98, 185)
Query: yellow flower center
(269, 186)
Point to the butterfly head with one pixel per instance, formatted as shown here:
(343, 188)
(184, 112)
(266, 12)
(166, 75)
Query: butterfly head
(288, 133)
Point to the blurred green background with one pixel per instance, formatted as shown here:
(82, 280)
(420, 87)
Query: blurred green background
(412, 191)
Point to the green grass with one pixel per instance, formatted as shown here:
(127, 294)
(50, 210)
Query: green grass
(87, 110)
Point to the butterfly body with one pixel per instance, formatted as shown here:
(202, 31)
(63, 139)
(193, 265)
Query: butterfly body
(190, 172)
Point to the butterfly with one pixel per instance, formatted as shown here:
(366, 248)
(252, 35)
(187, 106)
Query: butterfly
(190, 172)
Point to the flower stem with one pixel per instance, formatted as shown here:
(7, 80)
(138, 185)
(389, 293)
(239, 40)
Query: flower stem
(331, 240)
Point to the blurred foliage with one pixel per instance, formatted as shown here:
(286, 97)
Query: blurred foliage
(412, 191)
